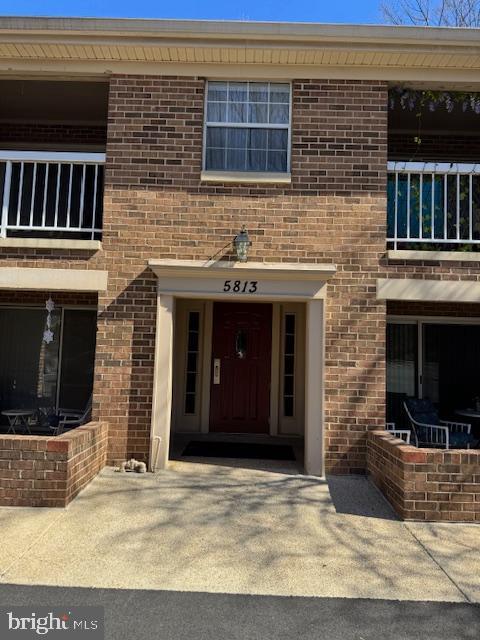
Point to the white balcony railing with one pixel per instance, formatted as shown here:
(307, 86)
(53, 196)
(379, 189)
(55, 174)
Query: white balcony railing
(54, 194)
(433, 204)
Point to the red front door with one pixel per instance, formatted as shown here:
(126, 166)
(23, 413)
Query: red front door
(241, 363)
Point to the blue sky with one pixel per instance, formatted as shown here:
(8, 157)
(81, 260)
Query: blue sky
(353, 11)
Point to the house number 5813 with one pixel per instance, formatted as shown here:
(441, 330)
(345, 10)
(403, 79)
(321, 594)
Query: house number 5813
(240, 286)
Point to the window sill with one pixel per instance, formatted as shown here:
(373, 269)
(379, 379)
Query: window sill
(433, 256)
(246, 177)
(50, 243)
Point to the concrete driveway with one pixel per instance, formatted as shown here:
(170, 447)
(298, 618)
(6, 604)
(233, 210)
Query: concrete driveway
(223, 529)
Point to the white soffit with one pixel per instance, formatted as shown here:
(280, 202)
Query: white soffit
(109, 45)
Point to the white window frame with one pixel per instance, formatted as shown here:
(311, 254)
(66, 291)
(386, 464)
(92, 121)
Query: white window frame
(248, 175)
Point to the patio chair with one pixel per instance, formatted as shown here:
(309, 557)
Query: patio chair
(404, 434)
(67, 419)
(429, 431)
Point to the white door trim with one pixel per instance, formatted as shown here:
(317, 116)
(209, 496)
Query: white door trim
(206, 364)
(191, 279)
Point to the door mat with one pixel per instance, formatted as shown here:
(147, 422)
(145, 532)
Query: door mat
(239, 450)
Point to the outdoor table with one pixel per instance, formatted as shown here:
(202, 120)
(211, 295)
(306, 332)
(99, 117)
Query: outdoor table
(468, 413)
(18, 418)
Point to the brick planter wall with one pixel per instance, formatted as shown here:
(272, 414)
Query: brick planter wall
(41, 471)
(425, 484)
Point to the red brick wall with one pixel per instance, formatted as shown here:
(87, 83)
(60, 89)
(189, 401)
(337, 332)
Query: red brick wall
(41, 471)
(61, 298)
(86, 455)
(440, 148)
(425, 484)
(334, 211)
(447, 309)
(33, 133)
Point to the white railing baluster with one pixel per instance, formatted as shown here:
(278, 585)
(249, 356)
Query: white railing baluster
(6, 198)
(94, 203)
(458, 206)
(34, 184)
(445, 206)
(57, 193)
(20, 193)
(470, 207)
(69, 202)
(404, 203)
(45, 193)
(408, 204)
(396, 210)
(432, 225)
(82, 198)
(420, 207)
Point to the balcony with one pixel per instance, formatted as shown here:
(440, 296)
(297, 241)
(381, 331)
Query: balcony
(433, 206)
(51, 195)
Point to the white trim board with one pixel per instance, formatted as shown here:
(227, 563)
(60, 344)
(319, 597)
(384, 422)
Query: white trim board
(428, 290)
(51, 243)
(273, 281)
(53, 156)
(432, 256)
(34, 279)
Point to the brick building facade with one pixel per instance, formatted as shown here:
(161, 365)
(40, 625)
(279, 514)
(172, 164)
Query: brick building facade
(328, 211)
(153, 187)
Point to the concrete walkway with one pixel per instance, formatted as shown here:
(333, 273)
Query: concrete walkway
(223, 529)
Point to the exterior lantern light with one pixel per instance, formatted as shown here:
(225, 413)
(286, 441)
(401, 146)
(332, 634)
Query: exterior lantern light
(241, 243)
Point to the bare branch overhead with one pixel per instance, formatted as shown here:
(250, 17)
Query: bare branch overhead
(450, 13)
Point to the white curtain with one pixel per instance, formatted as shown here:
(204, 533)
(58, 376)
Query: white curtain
(247, 148)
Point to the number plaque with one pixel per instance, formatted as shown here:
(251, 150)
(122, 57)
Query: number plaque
(240, 286)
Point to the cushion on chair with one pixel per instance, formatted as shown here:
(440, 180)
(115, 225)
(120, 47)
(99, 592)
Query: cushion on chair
(422, 411)
(459, 439)
(53, 420)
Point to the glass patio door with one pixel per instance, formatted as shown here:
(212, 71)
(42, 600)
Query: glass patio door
(78, 358)
(39, 375)
(431, 360)
(451, 365)
(402, 367)
(28, 366)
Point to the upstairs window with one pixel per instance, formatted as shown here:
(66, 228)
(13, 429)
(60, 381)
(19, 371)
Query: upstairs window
(247, 127)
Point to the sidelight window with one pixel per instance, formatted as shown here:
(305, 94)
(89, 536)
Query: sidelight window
(289, 365)
(193, 342)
